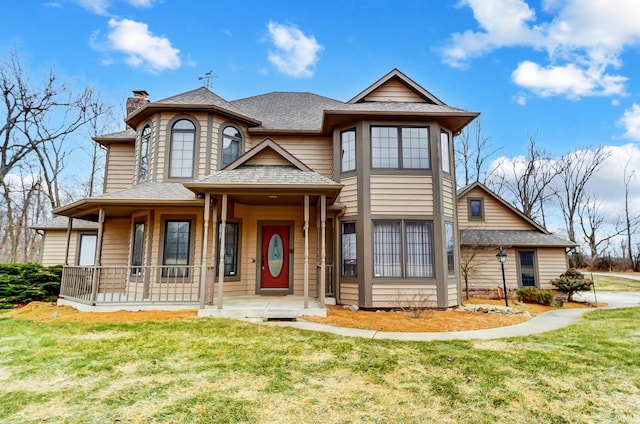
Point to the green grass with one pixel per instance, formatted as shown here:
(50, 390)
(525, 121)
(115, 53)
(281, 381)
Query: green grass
(611, 283)
(213, 370)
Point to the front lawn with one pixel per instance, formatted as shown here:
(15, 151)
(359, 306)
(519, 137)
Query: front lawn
(614, 283)
(214, 370)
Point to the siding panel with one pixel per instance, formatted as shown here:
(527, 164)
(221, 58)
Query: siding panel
(120, 167)
(393, 91)
(413, 193)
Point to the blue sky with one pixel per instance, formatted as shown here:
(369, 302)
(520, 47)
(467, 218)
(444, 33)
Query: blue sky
(567, 70)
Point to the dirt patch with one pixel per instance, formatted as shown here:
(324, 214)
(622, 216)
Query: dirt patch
(380, 320)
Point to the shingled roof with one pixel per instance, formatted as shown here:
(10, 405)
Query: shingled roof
(261, 175)
(508, 238)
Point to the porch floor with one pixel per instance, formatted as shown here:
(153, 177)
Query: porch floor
(266, 307)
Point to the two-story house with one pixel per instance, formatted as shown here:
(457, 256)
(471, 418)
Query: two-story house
(221, 203)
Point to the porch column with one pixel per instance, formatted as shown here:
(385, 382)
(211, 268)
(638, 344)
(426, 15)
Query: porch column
(323, 247)
(97, 260)
(69, 228)
(223, 226)
(205, 251)
(214, 249)
(306, 251)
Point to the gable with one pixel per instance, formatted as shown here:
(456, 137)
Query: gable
(393, 91)
(268, 152)
(268, 156)
(496, 215)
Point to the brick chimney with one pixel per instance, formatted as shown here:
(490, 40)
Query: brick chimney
(140, 98)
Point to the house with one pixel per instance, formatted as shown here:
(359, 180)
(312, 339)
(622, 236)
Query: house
(221, 205)
(487, 224)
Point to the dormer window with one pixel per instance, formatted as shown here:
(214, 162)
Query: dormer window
(231, 145)
(145, 139)
(183, 134)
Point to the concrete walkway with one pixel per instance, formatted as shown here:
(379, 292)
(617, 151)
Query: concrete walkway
(546, 322)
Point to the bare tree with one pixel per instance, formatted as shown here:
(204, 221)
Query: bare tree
(592, 221)
(530, 182)
(631, 222)
(473, 151)
(575, 170)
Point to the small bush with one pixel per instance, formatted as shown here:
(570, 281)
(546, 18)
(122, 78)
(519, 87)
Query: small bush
(572, 282)
(534, 295)
(24, 283)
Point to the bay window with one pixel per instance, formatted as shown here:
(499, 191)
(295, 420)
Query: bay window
(400, 147)
(403, 248)
(349, 266)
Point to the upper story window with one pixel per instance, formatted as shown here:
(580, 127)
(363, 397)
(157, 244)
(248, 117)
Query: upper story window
(445, 147)
(231, 145)
(183, 135)
(348, 150)
(476, 208)
(145, 141)
(400, 147)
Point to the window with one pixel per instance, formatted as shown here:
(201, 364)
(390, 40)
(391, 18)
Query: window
(231, 145)
(526, 263)
(183, 134)
(449, 240)
(137, 250)
(476, 209)
(348, 150)
(143, 170)
(403, 249)
(400, 147)
(177, 243)
(87, 249)
(349, 252)
(230, 248)
(446, 156)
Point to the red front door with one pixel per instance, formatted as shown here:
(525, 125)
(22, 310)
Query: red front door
(274, 265)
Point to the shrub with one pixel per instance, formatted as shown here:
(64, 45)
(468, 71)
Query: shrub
(534, 295)
(24, 283)
(572, 282)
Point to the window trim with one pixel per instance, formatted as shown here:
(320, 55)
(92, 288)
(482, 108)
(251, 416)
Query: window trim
(355, 151)
(342, 259)
(221, 136)
(79, 247)
(196, 146)
(144, 154)
(236, 276)
(404, 247)
(192, 219)
(133, 267)
(536, 274)
(400, 156)
(470, 210)
(447, 149)
(451, 256)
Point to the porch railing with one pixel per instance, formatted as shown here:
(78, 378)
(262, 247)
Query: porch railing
(127, 284)
(329, 289)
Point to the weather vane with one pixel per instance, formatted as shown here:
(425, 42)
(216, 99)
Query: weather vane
(207, 78)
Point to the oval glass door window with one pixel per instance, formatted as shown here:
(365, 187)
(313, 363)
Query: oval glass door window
(275, 255)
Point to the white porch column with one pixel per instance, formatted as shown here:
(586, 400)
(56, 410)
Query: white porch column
(69, 228)
(214, 251)
(205, 251)
(97, 261)
(223, 225)
(306, 251)
(323, 248)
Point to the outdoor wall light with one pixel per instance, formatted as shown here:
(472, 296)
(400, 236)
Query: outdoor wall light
(502, 258)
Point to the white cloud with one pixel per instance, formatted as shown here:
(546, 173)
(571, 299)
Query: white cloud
(143, 49)
(583, 40)
(295, 52)
(100, 7)
(631, 122)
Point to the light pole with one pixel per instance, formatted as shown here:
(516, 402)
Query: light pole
(502, 258)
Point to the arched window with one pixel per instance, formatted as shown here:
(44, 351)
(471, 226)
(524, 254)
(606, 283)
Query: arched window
(145, 139)
(183, 134)
(231, 144)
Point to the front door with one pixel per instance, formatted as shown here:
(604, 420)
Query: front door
(274, 261)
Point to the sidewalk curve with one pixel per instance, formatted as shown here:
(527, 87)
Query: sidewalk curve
(539, 324)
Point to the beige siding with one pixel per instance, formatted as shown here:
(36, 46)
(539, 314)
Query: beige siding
(452, 294)
(551, 263)
(349, 293)
(55, 245)
(268, 157)
(315, 152)
(115, 242)
(447, 197)
(120, 167)
(497, 216)
(393, 91)
(413, 193)
(404, 295)
(349, 195)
